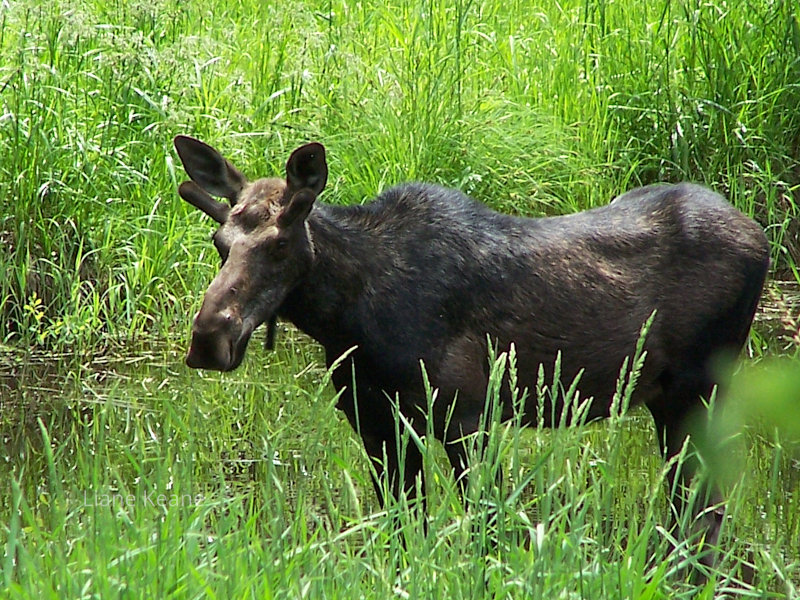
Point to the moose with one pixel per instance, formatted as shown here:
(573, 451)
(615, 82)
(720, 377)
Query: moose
(424, 275)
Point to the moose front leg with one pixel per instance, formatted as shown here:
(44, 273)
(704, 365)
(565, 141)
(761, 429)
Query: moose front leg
(395, 462)
(396, 466)
(470, 447)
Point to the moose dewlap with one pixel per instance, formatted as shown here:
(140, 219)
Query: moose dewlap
(426, 274)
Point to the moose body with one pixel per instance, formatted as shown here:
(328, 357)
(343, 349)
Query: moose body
(424, 275)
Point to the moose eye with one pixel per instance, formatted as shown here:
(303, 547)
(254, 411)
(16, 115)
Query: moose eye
(278, 249)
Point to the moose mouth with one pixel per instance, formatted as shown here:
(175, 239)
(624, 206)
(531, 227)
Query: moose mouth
(217, 350)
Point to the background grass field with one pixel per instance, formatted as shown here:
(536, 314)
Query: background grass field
(532, 107)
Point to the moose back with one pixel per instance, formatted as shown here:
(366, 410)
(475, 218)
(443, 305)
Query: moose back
(424, 274)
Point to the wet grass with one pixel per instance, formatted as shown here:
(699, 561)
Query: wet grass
(135, 477)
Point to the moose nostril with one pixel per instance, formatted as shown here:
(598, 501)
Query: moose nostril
(207, 323)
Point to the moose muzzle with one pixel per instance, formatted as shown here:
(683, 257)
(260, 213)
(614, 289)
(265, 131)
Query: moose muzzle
(218, 342)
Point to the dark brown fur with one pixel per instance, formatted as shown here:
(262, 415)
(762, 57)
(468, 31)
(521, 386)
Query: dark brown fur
(426, 274)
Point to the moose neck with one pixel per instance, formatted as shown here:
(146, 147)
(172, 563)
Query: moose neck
(321, 303)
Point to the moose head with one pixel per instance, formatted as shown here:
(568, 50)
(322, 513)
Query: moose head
(262, 240)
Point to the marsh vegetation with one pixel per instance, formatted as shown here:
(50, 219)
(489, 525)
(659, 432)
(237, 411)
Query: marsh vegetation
(125, 474)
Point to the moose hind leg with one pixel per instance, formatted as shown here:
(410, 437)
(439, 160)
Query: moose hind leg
(673, 413)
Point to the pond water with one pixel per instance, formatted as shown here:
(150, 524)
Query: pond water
(139, 413)
(778, 318)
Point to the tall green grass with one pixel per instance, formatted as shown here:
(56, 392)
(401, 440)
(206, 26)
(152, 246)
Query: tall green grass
(136, 480)
(532, 108)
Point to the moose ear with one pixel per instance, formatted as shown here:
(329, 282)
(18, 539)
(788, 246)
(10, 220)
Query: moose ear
(197, 197)
(209, 169)
(298, 207)
(307, 169)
